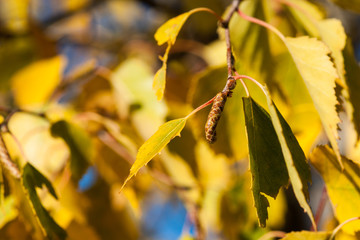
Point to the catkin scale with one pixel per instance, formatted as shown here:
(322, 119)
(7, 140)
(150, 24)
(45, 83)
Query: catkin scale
(214, 116)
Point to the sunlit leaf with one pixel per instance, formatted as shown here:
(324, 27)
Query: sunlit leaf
(79, 143)
(155, 144)
(33, 179)
(311, 58)
(160, 76)
(8, 210)
(296, 164)
(169, 31)
(333, 35)
(305, 235)
(34, 84)
(342, 185)
(267, 163)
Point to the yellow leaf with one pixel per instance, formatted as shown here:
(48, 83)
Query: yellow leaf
(170, 29)
(155, 144)
(159, 82)
(14, 15)
(305, 235)
(160, 77)
(312, 61)
(333, 35)
(33, 85)
(342, 185)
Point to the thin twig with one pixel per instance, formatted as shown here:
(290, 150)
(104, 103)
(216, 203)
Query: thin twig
(229, 56)
(337, 229)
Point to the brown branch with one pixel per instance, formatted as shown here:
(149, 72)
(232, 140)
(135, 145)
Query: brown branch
(231, 83)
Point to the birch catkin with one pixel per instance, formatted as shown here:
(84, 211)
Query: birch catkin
(214, 116)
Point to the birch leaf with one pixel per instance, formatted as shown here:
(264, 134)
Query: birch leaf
(267, 163)
(305, 235)
(333, 35)
(342, 185)
(160, 76)
(169, 31)
(155, 144)
(296, 164)
(33, 179)
(312, 61)
(34, 84)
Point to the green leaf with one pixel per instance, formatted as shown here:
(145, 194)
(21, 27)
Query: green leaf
(314, 65)
(267, 163)
(155, 144)
(79, 143)
(32, 179)
(343, 186)
(296, 164)
(305, 235)
(169, 31)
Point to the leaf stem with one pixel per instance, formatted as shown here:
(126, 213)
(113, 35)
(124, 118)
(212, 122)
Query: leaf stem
(262, 23)
(204, 9)
(337, 229)
(200, 107)
(245, 87)
(237, 77)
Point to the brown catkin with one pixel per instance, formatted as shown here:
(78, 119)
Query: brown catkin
(6, 160)
(214, 116)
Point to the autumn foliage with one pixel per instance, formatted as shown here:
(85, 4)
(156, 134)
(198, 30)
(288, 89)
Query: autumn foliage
(99, 149)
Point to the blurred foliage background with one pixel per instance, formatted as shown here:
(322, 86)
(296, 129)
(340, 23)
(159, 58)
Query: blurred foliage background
(88, 65)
